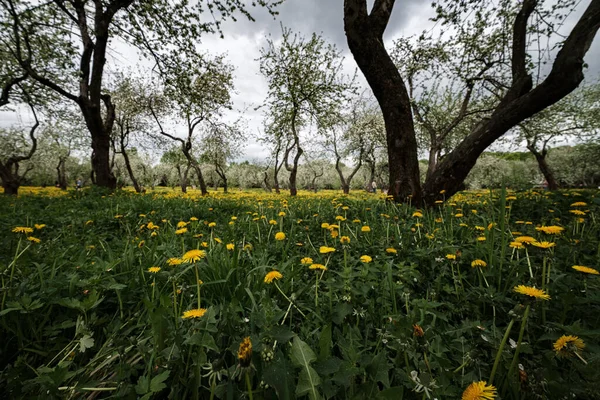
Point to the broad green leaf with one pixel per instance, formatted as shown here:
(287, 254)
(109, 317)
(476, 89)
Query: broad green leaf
(325, 343)
(302, 356)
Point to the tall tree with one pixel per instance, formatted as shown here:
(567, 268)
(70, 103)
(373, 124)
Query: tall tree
(220, 143)
(63, 45)
(197, 97)
(305, 82)
(518, 101)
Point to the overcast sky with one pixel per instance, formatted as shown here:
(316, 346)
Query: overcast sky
(243, 40)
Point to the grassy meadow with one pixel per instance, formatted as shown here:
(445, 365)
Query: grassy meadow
(252, 295)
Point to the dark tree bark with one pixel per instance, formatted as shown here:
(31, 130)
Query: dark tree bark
(61, 174)
(90, 75)
(364, 33)
(9, 170)
(540, 157)
(345, 182)
(266, 184)
(219, 170)
(293, 168)
(124, 131)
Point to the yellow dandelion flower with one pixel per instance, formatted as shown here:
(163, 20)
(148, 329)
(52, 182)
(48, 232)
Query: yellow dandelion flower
(181, 231)
(391, 250)
(366, 259)
(22, 229)
(33, 239)
(281, 214)
(579, 204)
(344, 240)
(451, 256)
(141, 243)
(550, 230)
(193, 256)
(306, 260)
(356, 221)
(273, 275)
(532, 292)
(212, 224)
(459, 215)
(516, 245)
(326, 250)
(272, 222)
(181, 224)
(230, 246)
(525, 239)
(193, 219)
(587, 270)
(577, 212)
(245, 352)
(173, 261)
(544, 244)
(154, 270)
(334, 233)
(566, 345)
(218, 240)
(325, 225)
(194, 313)
(478, 263)
(39, 226)
(318, 266)
(479, 391)
(481, 238)
(365, 228)
(418, 214)
(280, 236)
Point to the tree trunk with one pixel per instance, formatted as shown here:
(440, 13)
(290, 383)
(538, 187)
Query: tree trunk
(136, 185)
(223, 177)
(433, 160)
(545, 169)
(365, 40)
(266, 182)
(293, 170)
(60, 173)
(11, 188)
(196, 167)
(101, 159)
(10, 180)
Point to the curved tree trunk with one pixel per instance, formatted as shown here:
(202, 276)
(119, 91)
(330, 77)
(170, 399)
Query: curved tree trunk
(266, 183)
(364, 34)
(134, 181)
(545, 169)
(223, 177)
(196, 168)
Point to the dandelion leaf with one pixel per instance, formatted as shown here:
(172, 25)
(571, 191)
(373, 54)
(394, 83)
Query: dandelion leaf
(308, 380)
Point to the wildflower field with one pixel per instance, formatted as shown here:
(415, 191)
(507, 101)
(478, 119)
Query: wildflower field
(489, 295)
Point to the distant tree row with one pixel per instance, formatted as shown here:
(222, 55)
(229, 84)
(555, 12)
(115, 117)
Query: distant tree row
(449, 93)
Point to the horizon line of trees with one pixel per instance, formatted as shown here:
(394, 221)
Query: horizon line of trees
(455, 91)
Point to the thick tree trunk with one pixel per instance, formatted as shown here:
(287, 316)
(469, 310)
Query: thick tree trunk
(292, 180)
(183, 179)
(365, 39)
(11, 188)
(10, 180)
(101, 158)
(223, 177)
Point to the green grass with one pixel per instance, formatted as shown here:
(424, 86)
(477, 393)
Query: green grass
(82, 317)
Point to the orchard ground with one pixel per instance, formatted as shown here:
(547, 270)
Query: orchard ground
(257, 295)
